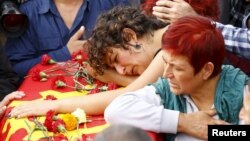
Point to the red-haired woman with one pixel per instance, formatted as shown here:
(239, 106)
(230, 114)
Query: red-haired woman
(194, 79)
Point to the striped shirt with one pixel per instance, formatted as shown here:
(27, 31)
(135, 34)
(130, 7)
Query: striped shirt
(237, 40)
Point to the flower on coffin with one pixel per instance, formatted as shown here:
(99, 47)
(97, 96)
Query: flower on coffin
(50, 97)
(38, 126)
(49, 120)
(58, 126)
(54, 123)
(59, 82)
(47, 60)
(70, 121)
(38, 75)
(104, 87)
(110, 86)
(60, 137)
(82, 80)
(81, 57)
(80, 115)
(94, 91)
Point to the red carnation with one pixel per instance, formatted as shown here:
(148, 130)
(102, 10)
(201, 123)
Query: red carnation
(60, 137)
(50, 97)
(58, 126)
(80, 57)
(46, 59)
(112, 86)
(58, 82)
(49, 120)
(38, 75)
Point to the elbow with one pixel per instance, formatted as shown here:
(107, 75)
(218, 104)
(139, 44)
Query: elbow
(111, 116)
(119, 110)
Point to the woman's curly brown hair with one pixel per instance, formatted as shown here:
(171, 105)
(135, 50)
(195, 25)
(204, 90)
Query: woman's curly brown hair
(108, 32)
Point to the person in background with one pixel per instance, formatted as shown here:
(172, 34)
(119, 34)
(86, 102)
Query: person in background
(9, 81)
(7, 99)
(57, 28)
(135, 3)
(122, 132)
(170, 11)
(194, 79)
(236, 39)
(149, 44)
(236, 13)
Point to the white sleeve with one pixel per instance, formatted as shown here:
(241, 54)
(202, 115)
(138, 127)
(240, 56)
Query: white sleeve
(143, 109)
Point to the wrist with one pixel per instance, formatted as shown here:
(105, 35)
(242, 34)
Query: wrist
(55, 106)
(181, 122)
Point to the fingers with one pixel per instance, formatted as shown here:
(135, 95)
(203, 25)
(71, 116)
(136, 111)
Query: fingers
(165, 3)
(211, 112)
(79, 33)
(75, 43)
(11, 96)
(22, 111)
(160, 14)
(220, 122)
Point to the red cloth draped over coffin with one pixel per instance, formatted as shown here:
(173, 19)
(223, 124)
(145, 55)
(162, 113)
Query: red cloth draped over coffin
(17, 129)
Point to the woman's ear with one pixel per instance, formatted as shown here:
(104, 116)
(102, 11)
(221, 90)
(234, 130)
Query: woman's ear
(128, 34)
(207, 70)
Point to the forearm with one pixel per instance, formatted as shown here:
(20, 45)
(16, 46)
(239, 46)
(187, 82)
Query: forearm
(93, 104)
(113, 76)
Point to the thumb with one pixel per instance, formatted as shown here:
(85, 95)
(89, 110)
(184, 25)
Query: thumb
(211, 112)
(79, 33)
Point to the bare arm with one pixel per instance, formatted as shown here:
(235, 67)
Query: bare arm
(92, 104)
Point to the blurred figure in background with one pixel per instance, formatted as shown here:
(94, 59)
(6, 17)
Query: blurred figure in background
(236, 13)
(9, 81)
(57, 28)
(122, 132)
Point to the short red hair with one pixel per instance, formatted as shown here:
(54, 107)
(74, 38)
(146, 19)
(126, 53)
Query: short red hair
(207, 8)
(197, 38)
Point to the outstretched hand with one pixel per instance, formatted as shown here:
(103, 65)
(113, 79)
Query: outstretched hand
(32, 108)
(169, 11)
(196, 124)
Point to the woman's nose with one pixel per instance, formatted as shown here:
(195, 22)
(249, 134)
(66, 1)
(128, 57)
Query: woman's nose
(120, 69)
(167, 72)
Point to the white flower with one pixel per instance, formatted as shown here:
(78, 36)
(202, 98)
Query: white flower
(80, 115)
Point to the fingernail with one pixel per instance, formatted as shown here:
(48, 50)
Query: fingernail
(8, 115)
